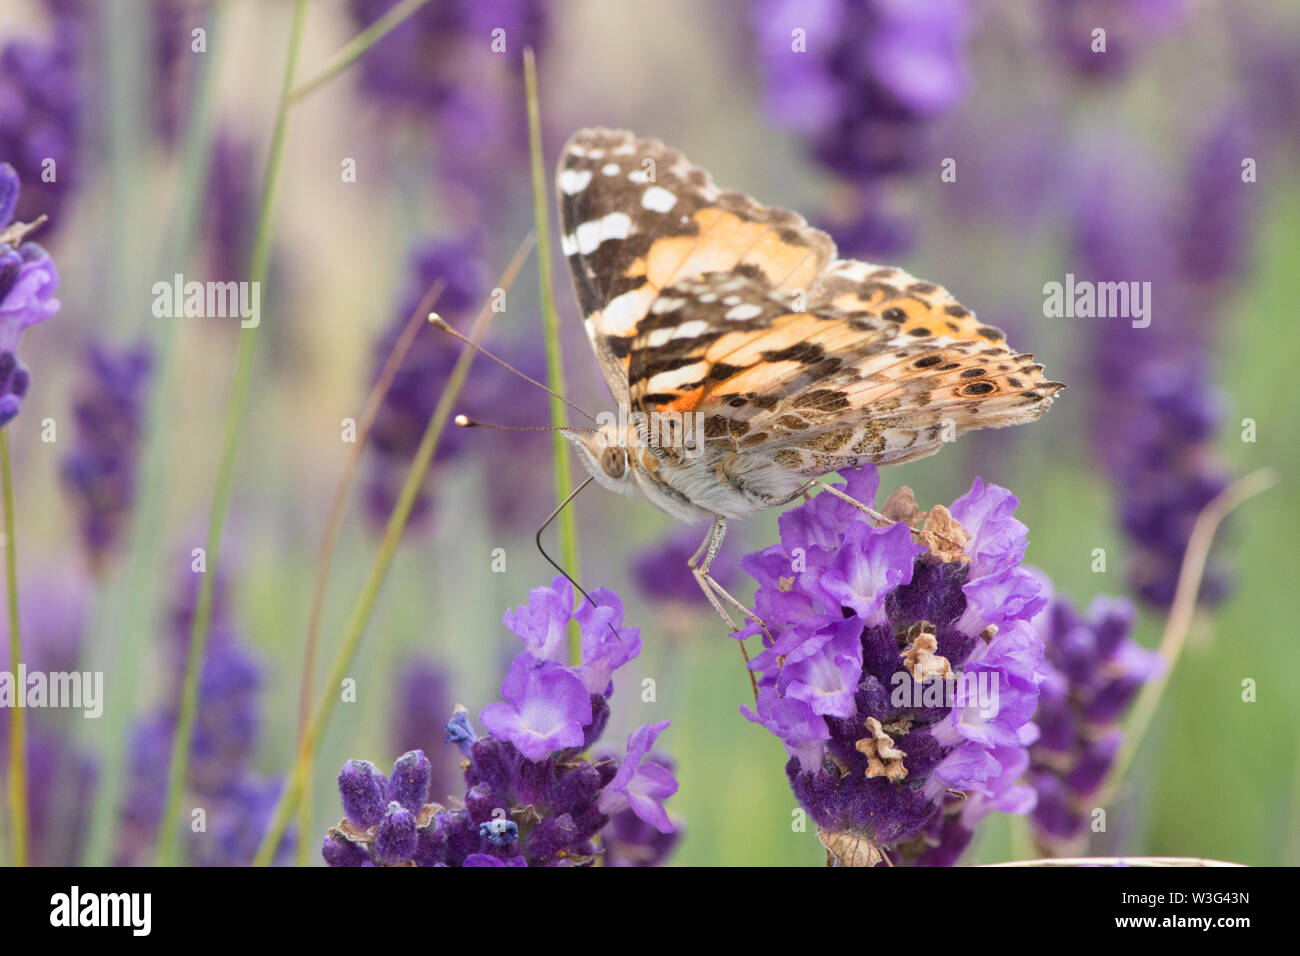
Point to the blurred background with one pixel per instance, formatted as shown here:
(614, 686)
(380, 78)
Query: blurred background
(986, 146)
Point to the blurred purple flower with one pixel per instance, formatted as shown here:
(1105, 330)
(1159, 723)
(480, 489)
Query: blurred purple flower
(453, 67)
(1129, 25)
(172, 24)
(662, 575)
(419, 720)
(1094, 669)
(60, 776)
(860, 81)
(490, 394)
(230, 205)
(1157, 409)
(413, 394)
(238, 802)
(41, 102)
(899, 673)
(425, 61)
(99, 471)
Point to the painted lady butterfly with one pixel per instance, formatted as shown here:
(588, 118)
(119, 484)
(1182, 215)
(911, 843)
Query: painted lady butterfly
(703, 305)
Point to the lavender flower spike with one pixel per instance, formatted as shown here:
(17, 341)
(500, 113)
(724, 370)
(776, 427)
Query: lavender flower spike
(28, 280)
(900, 673)
(531, 798)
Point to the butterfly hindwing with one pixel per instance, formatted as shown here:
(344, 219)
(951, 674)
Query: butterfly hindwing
(827, 388)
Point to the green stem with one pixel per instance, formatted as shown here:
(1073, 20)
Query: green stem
(17, 718)
(357, 46)
(241, 387)
(1181, 613)
(568, 524)
(133, 600)
(355, 627)
(335, 521)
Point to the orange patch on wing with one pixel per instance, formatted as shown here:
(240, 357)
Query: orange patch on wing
(786, 266)
(683, 402)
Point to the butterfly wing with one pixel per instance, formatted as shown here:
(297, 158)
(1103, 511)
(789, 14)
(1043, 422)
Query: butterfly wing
(699, 299)
(880, 368)
(637, 218)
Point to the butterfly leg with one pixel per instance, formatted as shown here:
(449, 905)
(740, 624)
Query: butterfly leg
(702, 560)
(877, 516)
(870, 512)
(700, 563)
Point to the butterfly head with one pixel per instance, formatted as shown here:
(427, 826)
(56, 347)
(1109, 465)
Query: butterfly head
(604, 453)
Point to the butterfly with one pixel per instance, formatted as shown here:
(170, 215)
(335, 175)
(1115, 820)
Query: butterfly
(718, 319)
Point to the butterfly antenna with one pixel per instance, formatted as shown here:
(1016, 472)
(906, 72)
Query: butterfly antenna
(545, 524)
(464, 421)
(439, 322)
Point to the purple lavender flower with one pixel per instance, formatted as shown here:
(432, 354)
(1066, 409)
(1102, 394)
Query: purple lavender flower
(40, 115)
(489, 395)
(1129, 25)
(422, 62)
(662, 575)
(99, 472)
(171, 25)
(28, 281)
(861, 81)
(229, 207)
(898, 674)
(238, 803)
(60, 776)
(641, 787)
(1157, 408)
(419, 720)
(1093, 670)
(545, 710)
(629, 840)
(453, 67)
(411, 398)
(532, 799)
(236, 823)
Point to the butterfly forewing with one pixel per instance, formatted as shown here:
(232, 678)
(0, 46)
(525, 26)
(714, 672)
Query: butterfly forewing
(637, 217)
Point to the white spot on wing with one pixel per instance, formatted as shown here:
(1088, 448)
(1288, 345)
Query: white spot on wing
(588, 236)
(574, 180)
(623, 311)
(666, 304)
(614, 225)
(658, 199)
(688, 330)
(610, 169)
(687, 374)
(746, 311)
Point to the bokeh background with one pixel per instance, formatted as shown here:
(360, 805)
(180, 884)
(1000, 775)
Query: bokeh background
(1125, 164)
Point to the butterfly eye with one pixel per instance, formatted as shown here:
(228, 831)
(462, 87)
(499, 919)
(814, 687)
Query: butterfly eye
(614, 461)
